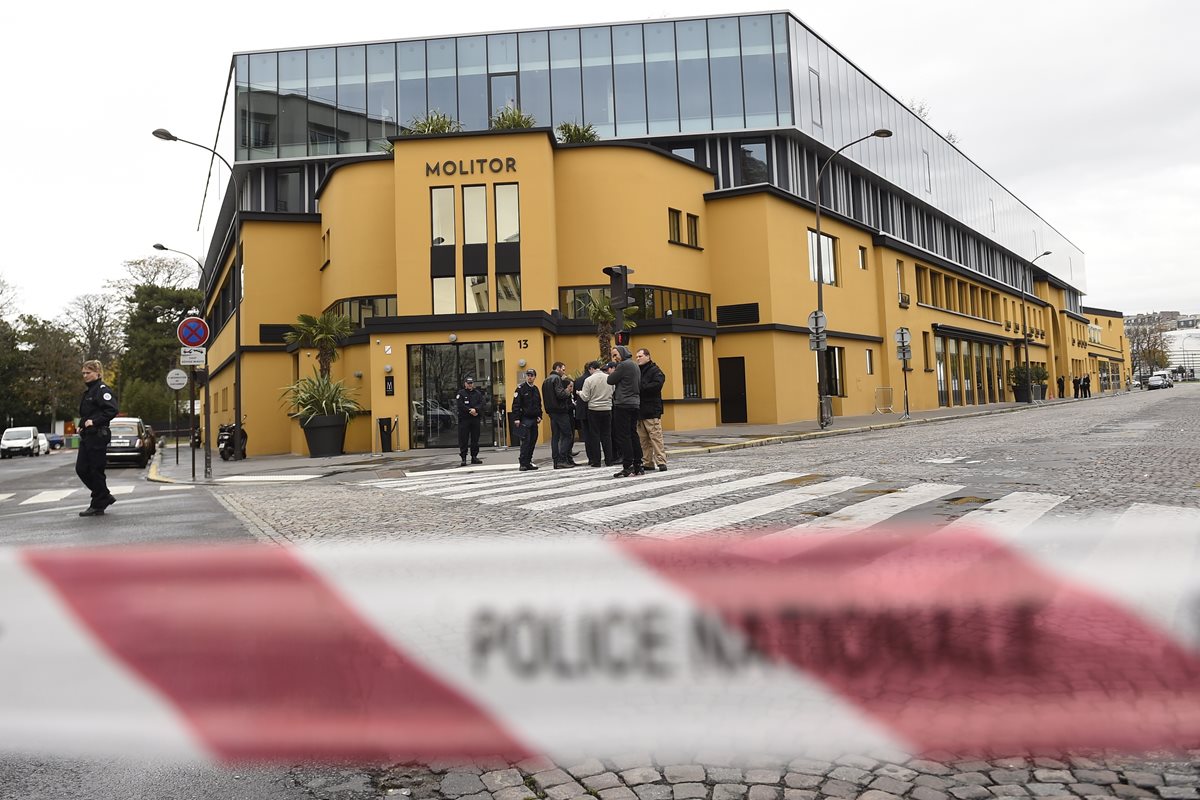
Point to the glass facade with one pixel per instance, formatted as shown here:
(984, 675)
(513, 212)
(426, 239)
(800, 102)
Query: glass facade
(701, 81)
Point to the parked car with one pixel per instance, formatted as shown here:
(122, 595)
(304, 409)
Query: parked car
(19, 442)
(1156, 382)
(130, 442)
(57, 440)
(43, 445)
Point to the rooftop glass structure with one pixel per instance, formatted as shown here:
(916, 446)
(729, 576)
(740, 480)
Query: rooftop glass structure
(756, 97)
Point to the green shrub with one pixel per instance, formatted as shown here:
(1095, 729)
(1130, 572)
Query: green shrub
(573, 133)
(511, 118)
(319, 396)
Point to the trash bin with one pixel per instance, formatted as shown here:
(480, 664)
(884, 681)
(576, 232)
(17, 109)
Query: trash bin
(385, 434)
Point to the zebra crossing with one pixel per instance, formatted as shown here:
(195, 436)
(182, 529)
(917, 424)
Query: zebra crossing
(794, 503)
(35, 498)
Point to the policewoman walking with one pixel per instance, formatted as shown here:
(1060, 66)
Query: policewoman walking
(97, 408)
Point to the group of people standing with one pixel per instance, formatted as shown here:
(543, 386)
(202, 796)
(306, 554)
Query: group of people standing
(1082, 386)
(617, 408)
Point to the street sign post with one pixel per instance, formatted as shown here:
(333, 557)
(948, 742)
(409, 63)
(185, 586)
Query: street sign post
(904, 353)
(177, 379)
(903, 336)
(817, 321)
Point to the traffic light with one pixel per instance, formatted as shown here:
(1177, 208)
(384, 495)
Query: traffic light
(622, 338)
(619, 286)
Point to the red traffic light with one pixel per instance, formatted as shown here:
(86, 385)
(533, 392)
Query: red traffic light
(622, 338)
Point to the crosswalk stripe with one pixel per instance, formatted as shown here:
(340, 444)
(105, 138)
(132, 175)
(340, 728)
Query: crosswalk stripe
(750, 509)
(176, 487)
(611, 489)
(6, 496)
(492, 489)
(467, 470)
(647, 504)
(419, 484)
(116, 490)
(1013, 512)
(48, 496)
(877, 509)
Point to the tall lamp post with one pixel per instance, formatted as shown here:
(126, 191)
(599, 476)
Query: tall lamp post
(167, 136)
(824, 409)
(195, 312)
(1025, 326)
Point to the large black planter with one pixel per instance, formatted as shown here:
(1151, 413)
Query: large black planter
(1021, 393)
(326, 435)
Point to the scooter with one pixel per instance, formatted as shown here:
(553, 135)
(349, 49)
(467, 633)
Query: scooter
(225, 440)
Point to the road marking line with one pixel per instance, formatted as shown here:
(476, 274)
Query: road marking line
(1013, 512)
(556, 480)
(463, 470)
(877, 509)
(48, 496)
(648, 504)
(265, 478)
(6, 496)
(176, 487)
(611, 490)
(116, 490)
(750, 509)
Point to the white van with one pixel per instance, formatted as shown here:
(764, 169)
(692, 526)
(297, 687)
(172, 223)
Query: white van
(19, 442)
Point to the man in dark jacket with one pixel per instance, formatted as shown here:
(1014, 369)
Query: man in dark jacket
(470, 403)
(97, 408)
(626, 379)
(650, 412)
(557, 393)
(527, 416)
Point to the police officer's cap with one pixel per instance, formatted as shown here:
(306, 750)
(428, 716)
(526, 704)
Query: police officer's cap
(469, 379)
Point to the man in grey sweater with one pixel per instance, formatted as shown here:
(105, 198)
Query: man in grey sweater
(626, 382)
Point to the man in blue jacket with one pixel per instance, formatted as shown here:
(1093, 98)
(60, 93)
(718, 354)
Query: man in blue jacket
(527, 416)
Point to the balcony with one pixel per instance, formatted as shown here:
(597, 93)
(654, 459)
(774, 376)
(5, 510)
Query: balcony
(904, 300)
(1008, 326)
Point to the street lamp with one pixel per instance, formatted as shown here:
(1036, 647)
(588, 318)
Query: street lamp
(236, 269)
(180, 252)
(824, 409)
(1025, 327)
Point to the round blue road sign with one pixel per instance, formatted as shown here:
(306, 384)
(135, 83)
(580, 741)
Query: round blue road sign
(193, 332)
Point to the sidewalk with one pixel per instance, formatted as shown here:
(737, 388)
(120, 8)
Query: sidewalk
(707, 440)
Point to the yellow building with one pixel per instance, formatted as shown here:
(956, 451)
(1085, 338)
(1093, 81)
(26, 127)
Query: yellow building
(481, 252)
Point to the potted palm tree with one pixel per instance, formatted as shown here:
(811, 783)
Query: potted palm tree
(322, 405)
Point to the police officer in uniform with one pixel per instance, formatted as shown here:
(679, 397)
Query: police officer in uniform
(470, 402)
(97, 408)
(527, 416)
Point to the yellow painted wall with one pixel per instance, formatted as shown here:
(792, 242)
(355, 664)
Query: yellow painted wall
(359, 219)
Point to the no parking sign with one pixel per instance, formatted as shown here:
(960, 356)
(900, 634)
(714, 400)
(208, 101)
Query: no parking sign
(192, 332)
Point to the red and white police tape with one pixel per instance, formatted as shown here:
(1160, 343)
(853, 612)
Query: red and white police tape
(907, 640)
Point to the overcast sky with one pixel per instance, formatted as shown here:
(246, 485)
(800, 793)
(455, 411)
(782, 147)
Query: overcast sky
(1088, 111)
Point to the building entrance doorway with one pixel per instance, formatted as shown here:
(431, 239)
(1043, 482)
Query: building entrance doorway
(733, 388)
(435, 374)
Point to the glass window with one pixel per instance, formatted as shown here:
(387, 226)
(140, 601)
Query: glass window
(476, 294)
(322, 101)
(502, 52)
(475, 215)
(596, 52)
(862, 258)
(725, 69)
(352, 99)
(288, 186)
(535, 76)
(263, 115)
(940, 349)
(381, 94)
(814, 95)
(693, 230)
(694, 96)
(783, 80)
(758, 71)
(835, 371)
(828, 263)
(293, 106)
(472, 83)
(508, 292)
(508, 213)
(689, 348)
(410, 69)
(565, 77)
(752, 162)
(442, 203)
(443, 88)
(662, 89)
(870, 361)
(504, 93)
(629, 79)
(685, 152)
(443, 296)
(925, 349)
(242, 70)
(674, 225)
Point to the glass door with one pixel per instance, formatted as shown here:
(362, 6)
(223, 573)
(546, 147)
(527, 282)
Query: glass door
(435, 376)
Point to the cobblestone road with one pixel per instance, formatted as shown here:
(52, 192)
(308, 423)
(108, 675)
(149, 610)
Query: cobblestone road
(1096, 458)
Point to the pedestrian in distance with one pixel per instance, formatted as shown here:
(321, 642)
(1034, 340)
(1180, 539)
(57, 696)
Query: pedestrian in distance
(527, 416)
(557, 391)
(97, 408)
(1086, 385)
(625, 380)
(650, 436)
(597, 394)
(1061, 387)
(1075, 386)
(470, 403)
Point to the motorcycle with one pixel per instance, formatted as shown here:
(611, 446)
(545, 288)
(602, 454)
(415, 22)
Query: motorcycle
(225, 440)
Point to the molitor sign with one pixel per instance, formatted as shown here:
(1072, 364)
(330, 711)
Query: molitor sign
(474, 166)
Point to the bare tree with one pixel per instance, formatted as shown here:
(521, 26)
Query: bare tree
(921, 108)
(8, 298)
(95, 323)
(1148, 349)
